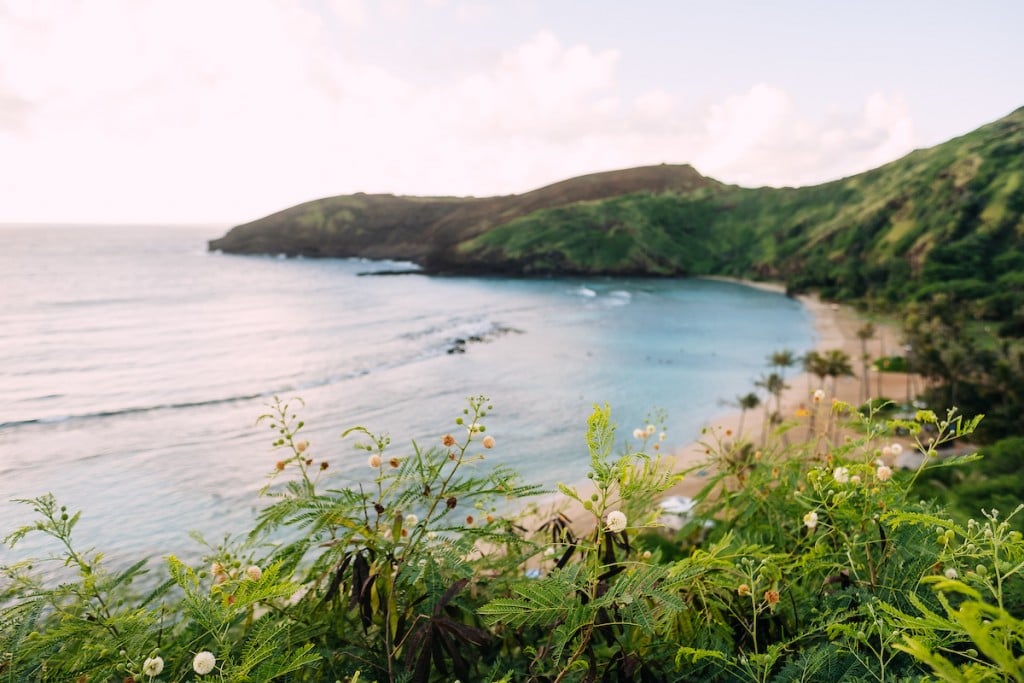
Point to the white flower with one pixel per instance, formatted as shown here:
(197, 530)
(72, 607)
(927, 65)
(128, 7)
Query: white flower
(661, 437)
(950, 573)
(887, 451)
(650, 429)
(373, 461)
(855, 479)
(203, 662)
(431, 535)
(488, 441)
(819, 395)
(639, 434)
(841, 475)
(254, 573)
(646, 555)
(411, 520)
(153, 666)
(884, 473)
(549, 551)
(811, 520)
(896, 449)
(616, 521)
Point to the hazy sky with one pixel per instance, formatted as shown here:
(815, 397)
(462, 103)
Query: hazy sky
(226, 110)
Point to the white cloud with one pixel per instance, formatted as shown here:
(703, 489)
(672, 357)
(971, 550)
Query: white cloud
(349, 12)
(122, 110)
(760, 138)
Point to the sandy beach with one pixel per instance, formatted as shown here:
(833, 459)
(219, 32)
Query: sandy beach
(835, 328)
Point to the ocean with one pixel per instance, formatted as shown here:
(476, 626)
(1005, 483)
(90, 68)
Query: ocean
(134, 364)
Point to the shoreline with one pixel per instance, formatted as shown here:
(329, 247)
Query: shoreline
(835, 327)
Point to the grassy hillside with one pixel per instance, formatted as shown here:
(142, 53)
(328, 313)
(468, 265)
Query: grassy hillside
(946, 219)
(942, 220)
(388, 226)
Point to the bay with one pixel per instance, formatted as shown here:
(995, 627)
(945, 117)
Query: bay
(133, 366)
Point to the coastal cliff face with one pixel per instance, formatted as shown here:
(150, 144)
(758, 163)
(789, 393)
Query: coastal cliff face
(949, 217)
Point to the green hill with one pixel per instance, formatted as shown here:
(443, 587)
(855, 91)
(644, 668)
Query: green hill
(945, 219)
(414, 228)
(948, 218)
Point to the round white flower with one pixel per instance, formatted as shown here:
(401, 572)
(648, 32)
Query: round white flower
(884, 473)
(616, 521)
(896, 449)
(819, 395)
(411, 520)
(841, 474)
(549, 551)
(650, 430)
(950, 573)
(373, 461)
(203, 662)
(153, 666)
(639, 434)
(811, 520)
(254, 573)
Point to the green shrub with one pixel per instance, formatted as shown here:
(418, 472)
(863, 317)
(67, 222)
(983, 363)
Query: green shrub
(814, 561)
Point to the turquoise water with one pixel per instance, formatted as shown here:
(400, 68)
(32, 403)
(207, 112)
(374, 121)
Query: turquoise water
(133, 365)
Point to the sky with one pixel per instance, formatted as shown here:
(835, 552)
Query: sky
(222, 111)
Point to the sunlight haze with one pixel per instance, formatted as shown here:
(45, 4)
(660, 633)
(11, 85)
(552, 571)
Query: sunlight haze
(188, 111)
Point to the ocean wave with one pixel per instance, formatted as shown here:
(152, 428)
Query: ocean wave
(449, 338)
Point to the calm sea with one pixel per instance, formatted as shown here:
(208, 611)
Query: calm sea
(133, 365)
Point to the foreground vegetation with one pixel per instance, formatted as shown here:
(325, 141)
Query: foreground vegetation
(811, 561)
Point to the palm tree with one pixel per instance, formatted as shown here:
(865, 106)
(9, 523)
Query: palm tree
(783, 359)
(746, 402)
(864, 333)
(836, 365)
(815, 364)
(773, 386)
